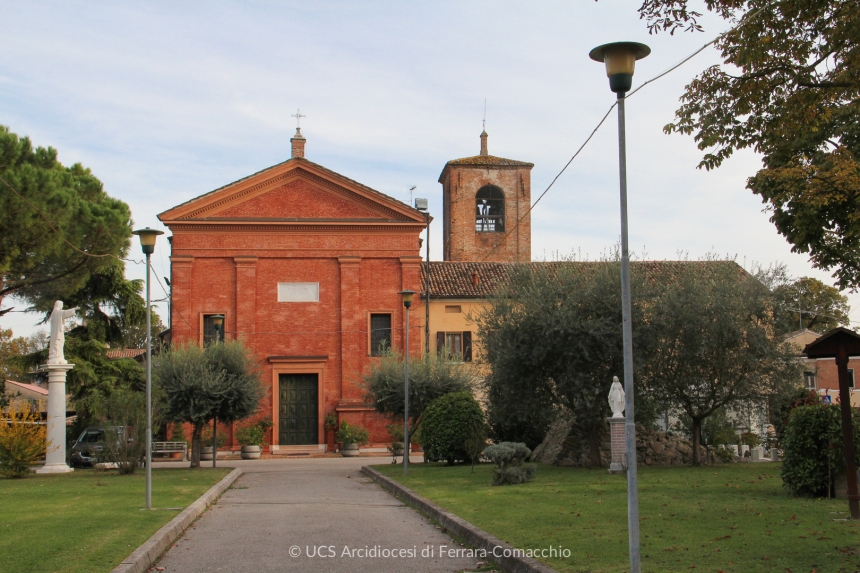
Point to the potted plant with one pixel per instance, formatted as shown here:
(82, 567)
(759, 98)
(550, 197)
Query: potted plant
(352, 438)
(252, 439)
(330, 422)
(206, 438)
(178, 435)
(395, 432)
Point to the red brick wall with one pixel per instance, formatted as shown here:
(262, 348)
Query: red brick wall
(219, 269)
(827, 378)
(461, 241)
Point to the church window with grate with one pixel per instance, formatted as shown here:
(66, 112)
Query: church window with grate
(490, 210)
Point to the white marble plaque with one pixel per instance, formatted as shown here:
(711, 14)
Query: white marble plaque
(298, 292)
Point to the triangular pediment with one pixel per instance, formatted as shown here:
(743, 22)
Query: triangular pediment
(297, 190)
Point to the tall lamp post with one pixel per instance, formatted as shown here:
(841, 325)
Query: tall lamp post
(218, 323)
(422, 205)
(147, 238)
(620, 59)
(407, 302)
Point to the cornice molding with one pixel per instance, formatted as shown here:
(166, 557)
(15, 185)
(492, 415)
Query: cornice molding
(199, 226)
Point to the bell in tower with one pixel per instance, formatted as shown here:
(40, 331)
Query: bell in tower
(483, 198)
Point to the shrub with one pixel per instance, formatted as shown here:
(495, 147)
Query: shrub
(356, 434)
(449, 422)
(724, 454)
(177, 434)
(509, 458)
(206, 437)
(254, 435)
(122, 414)
(22, 442)
(813, 449)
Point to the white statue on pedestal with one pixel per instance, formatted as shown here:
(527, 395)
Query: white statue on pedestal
(57, 367)
(58, 337)
(616, 398)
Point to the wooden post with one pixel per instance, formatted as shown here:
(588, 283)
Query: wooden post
(847, 430)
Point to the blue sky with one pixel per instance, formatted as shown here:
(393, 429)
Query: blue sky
(165, 101)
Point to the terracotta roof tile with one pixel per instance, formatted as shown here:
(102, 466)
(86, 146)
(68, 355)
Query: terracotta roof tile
(489, 160)
(30, 387)
(125, 352)
(480, 280)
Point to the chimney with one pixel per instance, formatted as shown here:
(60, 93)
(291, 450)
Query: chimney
(298, 143)
(484, 143)
(474, 278)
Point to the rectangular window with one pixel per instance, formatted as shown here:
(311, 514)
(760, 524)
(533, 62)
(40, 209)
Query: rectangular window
(455, 345)
(453, 309)
(851, 378)
(380, 333)
(211, 333)
(809, 379)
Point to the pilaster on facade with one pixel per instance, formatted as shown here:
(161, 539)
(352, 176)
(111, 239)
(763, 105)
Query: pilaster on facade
(410, 279)
(246, 297)
(182, 319)
(352, 325)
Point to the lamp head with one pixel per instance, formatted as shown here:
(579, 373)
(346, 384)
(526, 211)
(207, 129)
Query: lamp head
(407, 297)
(147, 238)
(217, 320)
(620, 59)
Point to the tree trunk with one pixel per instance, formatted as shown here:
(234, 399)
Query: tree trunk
(195, 445)
(697, 439)
(594, 447)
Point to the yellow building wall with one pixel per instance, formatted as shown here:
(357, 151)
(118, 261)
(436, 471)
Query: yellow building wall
(442, 320)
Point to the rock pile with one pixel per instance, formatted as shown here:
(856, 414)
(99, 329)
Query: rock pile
(565, 446)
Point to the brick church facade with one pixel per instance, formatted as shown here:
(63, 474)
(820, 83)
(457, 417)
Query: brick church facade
(305, 265)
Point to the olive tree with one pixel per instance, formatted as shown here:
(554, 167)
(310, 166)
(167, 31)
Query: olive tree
(430, 376)
(219, 381)
(709, 342)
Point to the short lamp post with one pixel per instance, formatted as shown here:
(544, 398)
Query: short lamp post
(407, 303)
(218, 323)
(147, 238)
(620, 59)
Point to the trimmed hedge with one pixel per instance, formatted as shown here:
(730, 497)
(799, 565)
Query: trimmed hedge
(448, 423)
(813, 449)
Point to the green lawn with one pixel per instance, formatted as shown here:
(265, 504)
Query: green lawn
(733, 518)
(71, 524)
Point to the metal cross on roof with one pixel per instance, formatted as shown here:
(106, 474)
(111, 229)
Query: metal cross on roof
(298, 115)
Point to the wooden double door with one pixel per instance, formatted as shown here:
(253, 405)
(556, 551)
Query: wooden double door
(298, 409)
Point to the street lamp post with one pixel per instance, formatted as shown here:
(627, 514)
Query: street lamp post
(218, 323)
(620, 59)
(407, 302)
(421, 205)
(147, 238)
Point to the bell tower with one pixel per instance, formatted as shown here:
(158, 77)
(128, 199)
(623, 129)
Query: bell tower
(483, 198)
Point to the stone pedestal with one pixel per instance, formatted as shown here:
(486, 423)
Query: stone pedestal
(757, 454)
(774, 455)
(55, 460)
(618, 435)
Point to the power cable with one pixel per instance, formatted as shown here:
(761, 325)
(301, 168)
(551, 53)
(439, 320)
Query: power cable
(745, 20)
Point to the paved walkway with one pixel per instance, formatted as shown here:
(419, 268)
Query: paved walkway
(310, 515)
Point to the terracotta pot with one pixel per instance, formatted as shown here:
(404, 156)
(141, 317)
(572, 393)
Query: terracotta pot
(329, 438)
(251, 452)
(350, 450)
(176, 455)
